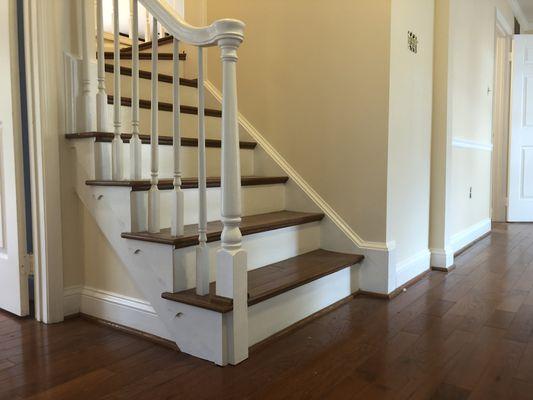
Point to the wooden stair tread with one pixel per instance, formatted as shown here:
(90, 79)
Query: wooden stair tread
(109, 55)
(273, 280)
(163, 140)
(148, 45)
(162, 106)
(127, 71)
(250, 224)
(187, 183)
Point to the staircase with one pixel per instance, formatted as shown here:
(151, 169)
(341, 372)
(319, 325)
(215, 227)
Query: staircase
(209, 243)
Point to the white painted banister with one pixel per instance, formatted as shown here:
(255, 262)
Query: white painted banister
(202, 253)
(178, 206)
(135, 142)
(117, 140)
(153, 195)
(101, 96)
(85, 95)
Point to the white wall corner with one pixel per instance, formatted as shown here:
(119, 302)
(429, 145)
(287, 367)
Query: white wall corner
(442, 258)
(72, 300)
(520, 16)
(412, 267)
(378, 270)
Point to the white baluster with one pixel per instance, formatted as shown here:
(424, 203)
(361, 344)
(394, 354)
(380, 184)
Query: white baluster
(202, 253)
(101, 96)
(232, 278)
(178, 209)
(153, 195)
(135, 143)
(132, 18)
(148, 30)
(117, 140)
(85, 95)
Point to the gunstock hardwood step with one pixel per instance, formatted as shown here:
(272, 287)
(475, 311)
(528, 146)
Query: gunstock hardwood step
(109, 55)
(250, 224)
(127, 71)
(163, 140)
(273, 280)
(162, 106)
(148, 45)
(188, 183)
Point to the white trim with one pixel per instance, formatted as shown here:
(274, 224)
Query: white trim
(470, 234)
(301, 182)
(113, 307)
(442, 258)
(502, 21)
(412, 267)
(471, 144)
(520, 16)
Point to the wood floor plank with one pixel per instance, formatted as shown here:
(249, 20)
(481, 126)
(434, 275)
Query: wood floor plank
(467, 334)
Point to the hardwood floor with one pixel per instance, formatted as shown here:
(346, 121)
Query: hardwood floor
(463, 335)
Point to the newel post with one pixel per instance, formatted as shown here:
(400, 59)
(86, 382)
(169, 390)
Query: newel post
(232, 278)
(84, 100)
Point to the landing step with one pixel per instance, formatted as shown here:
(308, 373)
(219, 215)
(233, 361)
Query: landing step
(109, 55)
(162, 106)
(273, 280)
(249, 225)
(188, 183)
(127, 71)
(163, 140)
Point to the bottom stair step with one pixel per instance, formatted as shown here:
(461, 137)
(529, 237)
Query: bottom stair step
(272, 280)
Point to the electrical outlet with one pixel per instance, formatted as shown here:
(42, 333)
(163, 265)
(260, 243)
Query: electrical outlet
(470, 193)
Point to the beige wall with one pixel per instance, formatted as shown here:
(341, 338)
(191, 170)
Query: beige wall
(472, 67)
(314, 80)
(464, 78)
(409, 146)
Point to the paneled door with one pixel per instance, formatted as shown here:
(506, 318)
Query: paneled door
(520, 191)
(13, 279)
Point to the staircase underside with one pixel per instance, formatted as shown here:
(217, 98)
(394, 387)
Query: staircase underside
(272, 280)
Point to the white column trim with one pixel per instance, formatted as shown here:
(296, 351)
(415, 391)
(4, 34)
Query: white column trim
(471, 144)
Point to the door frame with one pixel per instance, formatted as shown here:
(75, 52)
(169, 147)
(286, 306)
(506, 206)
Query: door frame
(45, 107)
(501, 118)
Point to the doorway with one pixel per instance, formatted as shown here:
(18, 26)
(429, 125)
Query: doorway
(500, 119)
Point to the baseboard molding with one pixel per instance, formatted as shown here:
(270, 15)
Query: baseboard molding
(397, 291)
(441, 259)
(444, 269)
(412, 267)
(124, 311)
(470, 235)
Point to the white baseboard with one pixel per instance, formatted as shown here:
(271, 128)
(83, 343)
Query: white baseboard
(470, 234)
(442, 258)
(412, 267)
(116, 308)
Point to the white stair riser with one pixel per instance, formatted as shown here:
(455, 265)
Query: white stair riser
(273, 315)
(189, 161)
(163, 67)
(255, 200)
(281, 244)
(189, 123)
(189, 95)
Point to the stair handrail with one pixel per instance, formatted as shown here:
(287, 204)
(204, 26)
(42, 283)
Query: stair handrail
(204, 36)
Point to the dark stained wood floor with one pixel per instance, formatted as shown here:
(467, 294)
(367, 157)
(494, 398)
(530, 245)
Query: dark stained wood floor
(463, 335)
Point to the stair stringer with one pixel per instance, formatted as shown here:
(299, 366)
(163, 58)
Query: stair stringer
(195, 331)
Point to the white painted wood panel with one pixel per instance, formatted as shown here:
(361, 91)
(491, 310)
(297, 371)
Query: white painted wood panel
(521, 138)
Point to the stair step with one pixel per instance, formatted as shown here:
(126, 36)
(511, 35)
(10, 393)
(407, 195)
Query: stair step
(187, 183)
(109, 55)
(148, 45)
(273, 280)
(163, 140)
(127, 71)
(162, 106)
(249, 225)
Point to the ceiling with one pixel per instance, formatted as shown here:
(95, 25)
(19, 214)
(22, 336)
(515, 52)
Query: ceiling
(527, 10)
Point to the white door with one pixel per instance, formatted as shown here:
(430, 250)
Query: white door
(520, 190)
(13, 281)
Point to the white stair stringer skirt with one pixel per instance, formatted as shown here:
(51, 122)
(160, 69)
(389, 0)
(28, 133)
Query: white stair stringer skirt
(196, 331)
